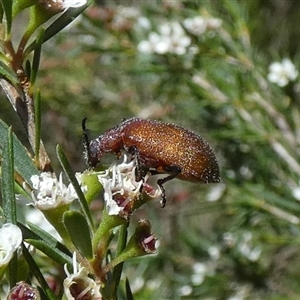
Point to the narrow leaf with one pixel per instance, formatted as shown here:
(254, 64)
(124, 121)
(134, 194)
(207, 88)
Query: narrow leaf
(46, 243)
(8, 193)
(117, 272)
(35, 232)
(129, 295)
(28, 67)
(60, 23)
(8, 74)
(79, 232)
(13, 270)
(51, 252)
(36, 57)
(22, 162)
(37, 273)
(7, 7)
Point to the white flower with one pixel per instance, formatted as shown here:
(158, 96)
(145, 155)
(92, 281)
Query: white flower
(128, 12)
(195, 25)
(10, 240)
(79, 285)
(125, 17)
(198, 25)
(247, 249)
(282, 73)
(229, 239)
(214, 252)
(121, 189)
(216, 192)
(50, 192)
(241, 292)
(170, 38)
(296, 193)
(79, 176)
(199, 268)
(73, 3)
(246, 172)
(143, 23)
(154, 44)
(197, 279)
(213, 23)
(200, 271)
(185, 290)
(119, 186)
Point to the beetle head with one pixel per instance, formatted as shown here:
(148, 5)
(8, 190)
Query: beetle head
(92, 150)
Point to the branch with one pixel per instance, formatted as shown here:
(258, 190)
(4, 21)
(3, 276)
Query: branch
(23, 105)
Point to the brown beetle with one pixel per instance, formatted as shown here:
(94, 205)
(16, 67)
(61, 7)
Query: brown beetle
(160, 148)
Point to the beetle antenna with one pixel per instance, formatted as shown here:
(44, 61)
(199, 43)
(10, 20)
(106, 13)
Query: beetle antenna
(85, 141)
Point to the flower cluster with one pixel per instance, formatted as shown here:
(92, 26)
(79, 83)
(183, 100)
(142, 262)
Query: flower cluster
(125, 17)
(170, 38)
(50, 192)
(281, 73)
(198, 25)
(200, 271)
(122, 193)
(10, 240)
(244, 244)
(120, 18)
(78, 285)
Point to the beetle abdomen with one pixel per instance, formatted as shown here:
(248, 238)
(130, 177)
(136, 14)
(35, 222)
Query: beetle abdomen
(162, 145)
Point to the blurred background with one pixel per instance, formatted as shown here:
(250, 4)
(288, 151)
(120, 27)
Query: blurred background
(227, 70)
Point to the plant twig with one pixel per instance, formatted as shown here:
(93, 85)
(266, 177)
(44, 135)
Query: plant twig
(23, 105)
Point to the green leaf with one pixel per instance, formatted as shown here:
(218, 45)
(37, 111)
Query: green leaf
(117, 272)
(13, 270)
(37, 273)
(36, 57)
(129, 295)
(36, 232)
(7, 73)
(7, 7)
(19, 5)
(46, 243)
(51, 252)
(22, 162)
(79, 232)
(60, 23)
(28, 67)
(8, 192)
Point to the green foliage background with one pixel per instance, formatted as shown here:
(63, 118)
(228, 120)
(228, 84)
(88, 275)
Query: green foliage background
(94, 70)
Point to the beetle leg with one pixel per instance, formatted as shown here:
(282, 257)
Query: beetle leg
(86, 143)
(173, 171)
(140, 174)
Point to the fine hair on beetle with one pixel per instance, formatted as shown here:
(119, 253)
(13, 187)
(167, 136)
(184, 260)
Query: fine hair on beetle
(159, 148)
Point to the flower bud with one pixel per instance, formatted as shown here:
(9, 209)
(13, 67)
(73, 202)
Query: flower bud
(23, 291)
(141, 243)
